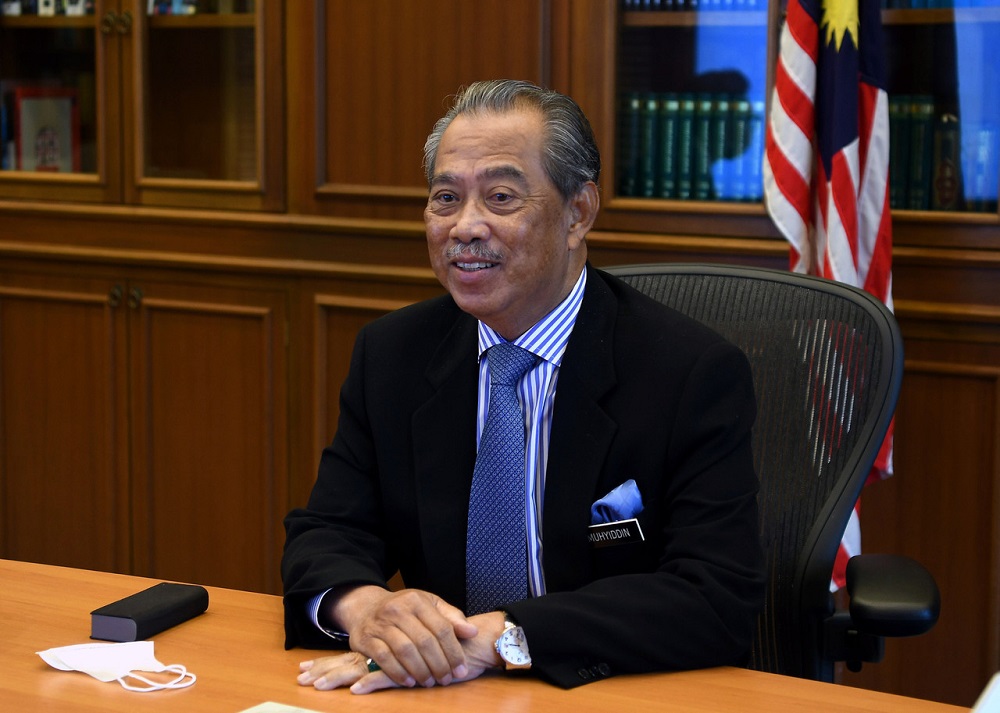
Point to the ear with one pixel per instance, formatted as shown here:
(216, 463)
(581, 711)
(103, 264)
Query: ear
(583, 209)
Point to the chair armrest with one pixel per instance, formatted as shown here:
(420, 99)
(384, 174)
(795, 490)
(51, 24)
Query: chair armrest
(891, 595)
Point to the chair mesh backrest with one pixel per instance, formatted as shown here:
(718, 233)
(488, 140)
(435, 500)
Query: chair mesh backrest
(827, 363)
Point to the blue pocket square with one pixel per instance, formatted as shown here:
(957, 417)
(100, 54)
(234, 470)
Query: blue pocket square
(622, 503)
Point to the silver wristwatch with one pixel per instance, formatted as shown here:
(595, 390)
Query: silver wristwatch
(512, 646)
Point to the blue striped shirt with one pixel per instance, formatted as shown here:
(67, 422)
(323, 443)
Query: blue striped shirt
(536, 391)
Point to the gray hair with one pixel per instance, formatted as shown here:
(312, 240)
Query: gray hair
(571, 157)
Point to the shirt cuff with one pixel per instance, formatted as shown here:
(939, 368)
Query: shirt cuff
(313, 607)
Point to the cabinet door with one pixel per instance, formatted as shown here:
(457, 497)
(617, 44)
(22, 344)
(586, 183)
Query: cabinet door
(944, 104)
(203, 104)
(209, 454)
(368, 79)
(63, 421)
(59, 86)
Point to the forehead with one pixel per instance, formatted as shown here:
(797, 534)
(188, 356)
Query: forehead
(485, 140)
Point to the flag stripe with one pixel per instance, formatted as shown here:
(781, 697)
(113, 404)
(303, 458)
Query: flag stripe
(826, 185)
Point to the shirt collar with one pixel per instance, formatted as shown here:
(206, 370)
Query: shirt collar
(548, 337)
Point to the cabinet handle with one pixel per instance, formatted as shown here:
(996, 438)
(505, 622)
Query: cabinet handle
(115, 296)
(134, 297)
(124, 24)
(108, 22)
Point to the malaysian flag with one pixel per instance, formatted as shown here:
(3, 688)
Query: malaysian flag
(826, 162)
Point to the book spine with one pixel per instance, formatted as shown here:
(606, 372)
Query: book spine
(738, 189)
(899, 141)
(921, 152)
(648, 149)
(628, 144)
(685, 146)
(702, 146)
(946, 183)
(668, 143)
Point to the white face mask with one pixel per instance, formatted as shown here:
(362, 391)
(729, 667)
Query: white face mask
(116, 662)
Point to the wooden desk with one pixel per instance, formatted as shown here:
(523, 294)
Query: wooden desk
(235, 649)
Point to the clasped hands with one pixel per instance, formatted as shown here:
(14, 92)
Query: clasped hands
(415, 637)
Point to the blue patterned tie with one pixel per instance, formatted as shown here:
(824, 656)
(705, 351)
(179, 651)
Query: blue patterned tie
(496, 566)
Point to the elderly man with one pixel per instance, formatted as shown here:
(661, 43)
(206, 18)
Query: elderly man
(590, 513)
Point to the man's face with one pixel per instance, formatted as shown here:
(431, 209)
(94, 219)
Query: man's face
(501, 238)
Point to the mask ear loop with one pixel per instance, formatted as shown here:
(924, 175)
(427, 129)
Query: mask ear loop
(178, 682)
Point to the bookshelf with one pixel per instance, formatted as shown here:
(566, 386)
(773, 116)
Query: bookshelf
(691, 84)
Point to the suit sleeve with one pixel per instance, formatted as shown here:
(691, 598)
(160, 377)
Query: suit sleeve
(696, 606)
(337, 539)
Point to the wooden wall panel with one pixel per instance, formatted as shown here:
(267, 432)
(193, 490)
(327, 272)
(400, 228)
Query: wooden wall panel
(209, 439)
(338, 321)
(337, 312)
(941, 508)
(381, 98)
(63, 436)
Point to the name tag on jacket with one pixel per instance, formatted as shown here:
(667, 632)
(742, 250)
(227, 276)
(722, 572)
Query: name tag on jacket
(620, 532)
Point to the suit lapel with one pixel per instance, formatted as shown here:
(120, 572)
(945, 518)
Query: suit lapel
(581, 435)
(444, 453)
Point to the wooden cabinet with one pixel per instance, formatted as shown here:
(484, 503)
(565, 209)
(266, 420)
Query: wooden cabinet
(144, 422)
(143, 108)
(63, 421)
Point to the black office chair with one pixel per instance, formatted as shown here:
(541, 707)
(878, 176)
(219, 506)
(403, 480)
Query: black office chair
(827, 362)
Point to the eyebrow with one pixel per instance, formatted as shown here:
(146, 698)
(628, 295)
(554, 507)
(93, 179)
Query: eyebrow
(493, 172)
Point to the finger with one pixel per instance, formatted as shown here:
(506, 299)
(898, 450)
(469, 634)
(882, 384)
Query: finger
(407, 642)
(428, 649)
(332, 671)
(463, 628)
(376, 681)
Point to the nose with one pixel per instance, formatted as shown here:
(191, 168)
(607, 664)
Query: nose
(470, 222)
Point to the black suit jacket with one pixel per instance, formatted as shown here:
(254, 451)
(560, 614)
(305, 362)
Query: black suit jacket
(643, 393)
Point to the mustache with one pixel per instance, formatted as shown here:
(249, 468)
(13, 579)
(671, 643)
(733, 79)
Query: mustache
(474, 249)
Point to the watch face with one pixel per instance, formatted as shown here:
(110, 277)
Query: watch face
(513, 647)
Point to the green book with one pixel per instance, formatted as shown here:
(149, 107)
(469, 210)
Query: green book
(899, 142)
(701, 189)
(670, 107)
(921, 153)
(739, 140)
(648, 174)
(628, 143)
(685, 147)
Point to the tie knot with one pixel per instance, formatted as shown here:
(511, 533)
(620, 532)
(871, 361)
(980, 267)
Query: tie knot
(508, 363)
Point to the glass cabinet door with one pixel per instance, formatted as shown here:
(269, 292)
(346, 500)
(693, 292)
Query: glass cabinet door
(54, 89)
(153, 102)
(944, 103)
(692, 83)
(201, 91)
(200, 103)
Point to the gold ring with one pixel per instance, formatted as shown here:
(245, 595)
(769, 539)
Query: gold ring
(372, 666)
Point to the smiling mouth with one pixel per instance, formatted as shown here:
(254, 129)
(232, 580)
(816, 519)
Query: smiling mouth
(474, 266)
